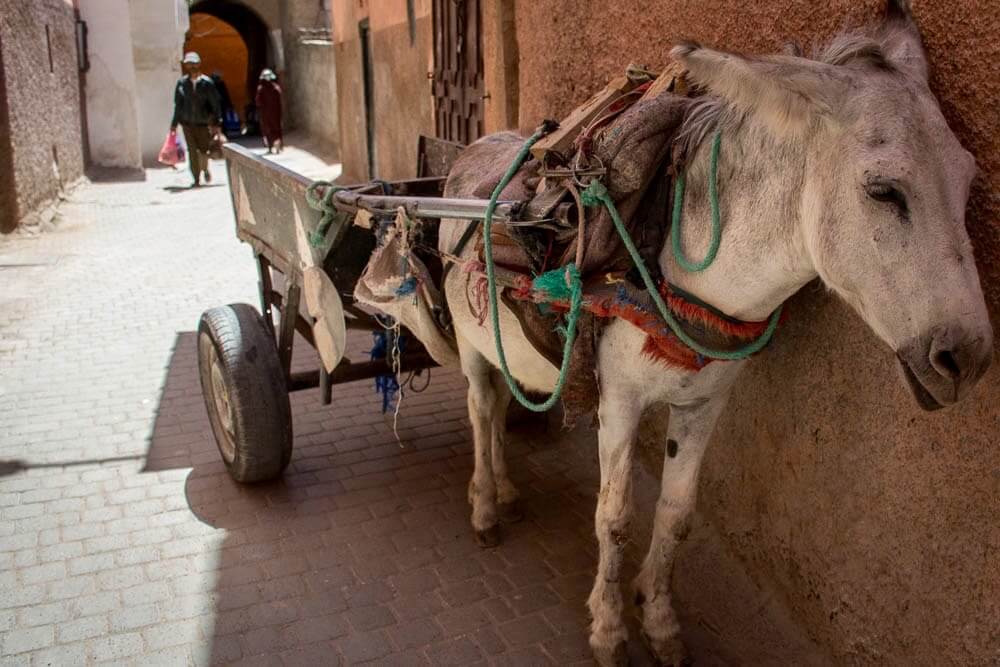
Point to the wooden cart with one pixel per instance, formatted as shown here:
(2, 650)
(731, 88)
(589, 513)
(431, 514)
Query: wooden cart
(245, 352)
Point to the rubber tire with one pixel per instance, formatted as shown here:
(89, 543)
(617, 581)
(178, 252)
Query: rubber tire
(255, 383)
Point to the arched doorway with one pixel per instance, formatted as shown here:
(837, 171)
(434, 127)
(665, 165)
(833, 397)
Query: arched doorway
(222, 52)
(232, 39)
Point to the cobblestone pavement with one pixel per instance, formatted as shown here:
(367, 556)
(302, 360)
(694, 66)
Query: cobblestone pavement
(123, 540)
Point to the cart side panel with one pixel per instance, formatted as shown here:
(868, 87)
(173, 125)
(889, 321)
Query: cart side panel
(272, 214)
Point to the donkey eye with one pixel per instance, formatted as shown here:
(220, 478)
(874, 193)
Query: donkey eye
(883, 192)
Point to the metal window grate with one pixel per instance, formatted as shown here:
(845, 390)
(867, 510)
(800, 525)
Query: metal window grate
(458, 70)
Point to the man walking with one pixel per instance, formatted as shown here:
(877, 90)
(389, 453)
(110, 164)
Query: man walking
(197, 109)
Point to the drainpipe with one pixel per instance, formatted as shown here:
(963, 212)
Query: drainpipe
(82, 64)
(8, 197)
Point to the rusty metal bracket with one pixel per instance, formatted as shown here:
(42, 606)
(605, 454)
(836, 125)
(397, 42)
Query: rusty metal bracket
(286, 334)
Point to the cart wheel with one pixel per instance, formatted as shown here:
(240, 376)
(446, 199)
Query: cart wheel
(244, 388)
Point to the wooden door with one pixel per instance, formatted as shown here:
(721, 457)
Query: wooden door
(458, 70)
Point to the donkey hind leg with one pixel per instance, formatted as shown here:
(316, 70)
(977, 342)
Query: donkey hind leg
(688, 434)
(616, 442)
(482, 399)
(507, 494)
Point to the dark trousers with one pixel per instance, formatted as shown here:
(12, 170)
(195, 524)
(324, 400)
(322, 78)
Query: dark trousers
(199, 141)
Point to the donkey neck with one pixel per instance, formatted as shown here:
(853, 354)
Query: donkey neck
(762, 259)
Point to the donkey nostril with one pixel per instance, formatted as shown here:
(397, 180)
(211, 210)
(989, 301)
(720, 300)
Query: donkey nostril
(944, 363)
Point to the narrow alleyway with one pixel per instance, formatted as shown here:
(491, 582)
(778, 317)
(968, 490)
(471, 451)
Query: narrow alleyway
(123, 539)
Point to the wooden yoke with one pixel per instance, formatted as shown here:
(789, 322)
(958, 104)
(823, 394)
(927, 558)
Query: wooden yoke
(671, 79)
(561, 141)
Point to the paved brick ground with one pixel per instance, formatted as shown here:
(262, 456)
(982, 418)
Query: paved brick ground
(123, 540)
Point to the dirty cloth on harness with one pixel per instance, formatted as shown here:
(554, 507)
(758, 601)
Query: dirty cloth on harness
(397, 282)
(635, 148)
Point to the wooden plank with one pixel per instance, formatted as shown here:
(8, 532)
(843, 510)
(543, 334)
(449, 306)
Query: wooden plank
(672, 78)
(349, 372)
(561, 141)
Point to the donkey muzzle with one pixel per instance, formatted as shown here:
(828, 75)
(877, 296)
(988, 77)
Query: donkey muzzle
(943, 366)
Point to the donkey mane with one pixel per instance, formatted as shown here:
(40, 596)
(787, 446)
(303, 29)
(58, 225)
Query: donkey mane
(708, 113)
(853, 47)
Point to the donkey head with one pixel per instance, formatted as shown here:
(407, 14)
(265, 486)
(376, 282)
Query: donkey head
(883, 192)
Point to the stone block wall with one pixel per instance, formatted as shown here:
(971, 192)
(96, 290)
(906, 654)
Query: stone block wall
(40, 128)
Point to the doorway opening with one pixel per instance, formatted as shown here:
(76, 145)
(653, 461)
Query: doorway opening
(233, 41)
(223, 55)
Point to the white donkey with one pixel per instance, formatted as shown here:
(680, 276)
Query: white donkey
(840, 167)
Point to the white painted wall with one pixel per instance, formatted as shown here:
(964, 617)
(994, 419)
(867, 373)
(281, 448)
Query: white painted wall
(158, 28)
(112, 113)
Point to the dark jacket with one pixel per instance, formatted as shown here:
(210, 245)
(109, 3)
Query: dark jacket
(196, 103)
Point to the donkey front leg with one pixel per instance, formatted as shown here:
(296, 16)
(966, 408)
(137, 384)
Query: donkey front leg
(688, 434)
(619, 418)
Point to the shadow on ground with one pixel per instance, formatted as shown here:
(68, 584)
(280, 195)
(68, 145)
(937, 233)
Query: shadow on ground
(115, 174)
(177, 189)
(363, 549)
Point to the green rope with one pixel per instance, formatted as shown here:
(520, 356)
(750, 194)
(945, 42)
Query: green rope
(596, 194)
(545, 282)
(713, 198)
(324, 204)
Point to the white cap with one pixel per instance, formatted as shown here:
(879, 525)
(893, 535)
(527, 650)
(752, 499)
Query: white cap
(191, 58)
(268, 74)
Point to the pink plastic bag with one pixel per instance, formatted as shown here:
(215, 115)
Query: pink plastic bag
(172, 152)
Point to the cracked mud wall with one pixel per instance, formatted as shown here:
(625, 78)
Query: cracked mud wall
(869, 527)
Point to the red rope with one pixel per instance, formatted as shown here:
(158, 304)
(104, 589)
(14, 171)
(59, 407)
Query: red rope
(661, 344)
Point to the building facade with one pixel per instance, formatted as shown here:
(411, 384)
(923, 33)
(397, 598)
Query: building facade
(41, 152)
(134, 52)
(310, 72)
(384, 54)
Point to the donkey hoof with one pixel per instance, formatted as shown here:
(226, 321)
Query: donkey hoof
(489, 538)
(669, 652)
(510, 512)
(614, 656)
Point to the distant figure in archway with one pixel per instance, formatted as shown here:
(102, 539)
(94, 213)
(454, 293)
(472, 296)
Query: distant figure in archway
(231, 125)
(198, 111)
(269, 107)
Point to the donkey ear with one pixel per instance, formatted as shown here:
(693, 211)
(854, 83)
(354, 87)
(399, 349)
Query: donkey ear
(900, 39)
(785, 92)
